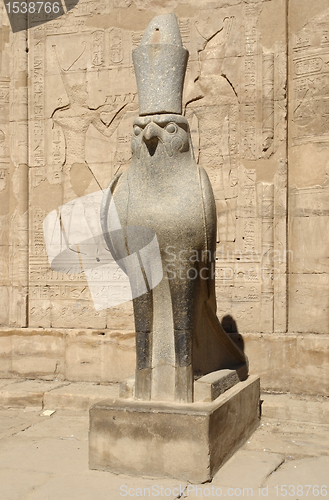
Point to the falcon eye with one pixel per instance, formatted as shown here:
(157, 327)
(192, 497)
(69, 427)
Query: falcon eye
(171, 128)
(137, 130)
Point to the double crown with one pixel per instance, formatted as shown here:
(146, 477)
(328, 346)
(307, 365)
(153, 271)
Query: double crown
(160, 65)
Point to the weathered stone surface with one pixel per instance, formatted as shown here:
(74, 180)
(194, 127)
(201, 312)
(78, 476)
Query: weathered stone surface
(6, 355)
(17, 420)
(81, 73)
(240, 475)
(26, 393)
(294, 408)
(209, 387)
(160, 64)
(187, 442)
(27, 483)
(308, 166)
(161, 208)
(26, 432)
(205, 389)
(78, 396)
(281, 359)
(100, 356)
(41, 356)
(127, 388)
(296, 363)
(298, 472)
(311, 292)
(75, 149)
(76, 355)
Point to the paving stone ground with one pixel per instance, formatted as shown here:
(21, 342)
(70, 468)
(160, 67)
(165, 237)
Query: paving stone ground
(46, 457)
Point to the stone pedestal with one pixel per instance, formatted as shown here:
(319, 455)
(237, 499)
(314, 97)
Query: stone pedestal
(184, 441)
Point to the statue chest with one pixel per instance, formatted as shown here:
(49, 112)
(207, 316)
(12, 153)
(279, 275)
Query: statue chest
(172, 207)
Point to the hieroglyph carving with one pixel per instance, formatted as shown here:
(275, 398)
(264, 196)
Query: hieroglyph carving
(82, 78)
(310, 79)
(75, 93)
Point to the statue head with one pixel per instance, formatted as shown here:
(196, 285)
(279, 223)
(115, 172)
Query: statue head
(160, 64)
(160, 135)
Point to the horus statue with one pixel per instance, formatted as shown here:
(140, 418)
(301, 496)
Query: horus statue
(167, 194)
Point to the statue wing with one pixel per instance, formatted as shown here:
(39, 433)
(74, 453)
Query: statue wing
(209, 207)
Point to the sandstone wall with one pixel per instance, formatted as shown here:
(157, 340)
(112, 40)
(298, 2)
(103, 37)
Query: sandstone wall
(257, 98)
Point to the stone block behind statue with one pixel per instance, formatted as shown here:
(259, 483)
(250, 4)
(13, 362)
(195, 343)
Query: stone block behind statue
(164, 192)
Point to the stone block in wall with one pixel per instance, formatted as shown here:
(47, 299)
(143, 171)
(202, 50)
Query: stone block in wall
(296, 363)
(118, 356)
(99, 356)
(308, 166)
(308, 239)
(87, 355)
(5, 354)
(121, 317)
(4, 305)
(77, 314)
(235, 101)
(309, 303)
(38, 354)
(309, 223)
(246, 315)
(83, 356)
(235, 97)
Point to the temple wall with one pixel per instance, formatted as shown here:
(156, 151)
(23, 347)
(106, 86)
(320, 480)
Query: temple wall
(257, 98)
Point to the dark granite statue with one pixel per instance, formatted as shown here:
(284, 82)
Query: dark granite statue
(164, 191)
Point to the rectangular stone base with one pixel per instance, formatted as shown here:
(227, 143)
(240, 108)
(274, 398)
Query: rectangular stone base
(188, 442)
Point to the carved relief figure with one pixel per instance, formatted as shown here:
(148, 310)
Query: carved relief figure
(75, 119)
(310, 68)
(166, 191)
(218, 104)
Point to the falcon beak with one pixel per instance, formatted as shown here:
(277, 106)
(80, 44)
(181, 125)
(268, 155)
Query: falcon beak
(151, 137)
